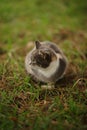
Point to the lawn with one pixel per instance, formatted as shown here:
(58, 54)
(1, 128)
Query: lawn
(23, 104)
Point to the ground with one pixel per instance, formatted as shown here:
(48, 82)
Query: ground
(23, 104)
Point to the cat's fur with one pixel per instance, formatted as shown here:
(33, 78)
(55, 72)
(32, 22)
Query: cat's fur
(46, 62)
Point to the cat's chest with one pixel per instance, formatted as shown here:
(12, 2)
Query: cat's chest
(49, 71)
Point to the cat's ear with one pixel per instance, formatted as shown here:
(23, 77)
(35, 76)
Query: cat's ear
(37, 44)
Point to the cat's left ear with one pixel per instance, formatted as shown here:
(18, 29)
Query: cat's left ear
(37, 44)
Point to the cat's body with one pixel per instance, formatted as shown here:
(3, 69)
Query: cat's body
(46, 62)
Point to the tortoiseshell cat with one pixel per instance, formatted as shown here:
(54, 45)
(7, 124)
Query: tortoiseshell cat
(46, 62)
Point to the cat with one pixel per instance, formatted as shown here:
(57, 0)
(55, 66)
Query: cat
(46, 62)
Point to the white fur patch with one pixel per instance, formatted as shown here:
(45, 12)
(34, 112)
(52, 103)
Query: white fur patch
(49, 71)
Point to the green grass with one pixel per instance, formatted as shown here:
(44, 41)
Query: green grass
(23, 104)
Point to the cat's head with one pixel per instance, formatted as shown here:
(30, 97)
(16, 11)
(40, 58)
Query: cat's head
(42, 56)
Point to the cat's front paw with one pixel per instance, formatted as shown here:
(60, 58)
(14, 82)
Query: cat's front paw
(48, 86)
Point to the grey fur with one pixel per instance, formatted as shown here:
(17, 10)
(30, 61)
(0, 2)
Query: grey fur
(60, 70)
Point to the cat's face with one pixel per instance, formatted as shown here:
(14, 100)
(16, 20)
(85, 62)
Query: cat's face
(42, 56)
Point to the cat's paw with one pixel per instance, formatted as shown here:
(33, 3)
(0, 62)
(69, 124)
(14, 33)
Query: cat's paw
(48, 86)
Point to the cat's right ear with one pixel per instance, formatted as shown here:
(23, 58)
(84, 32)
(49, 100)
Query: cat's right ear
(37, 44)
